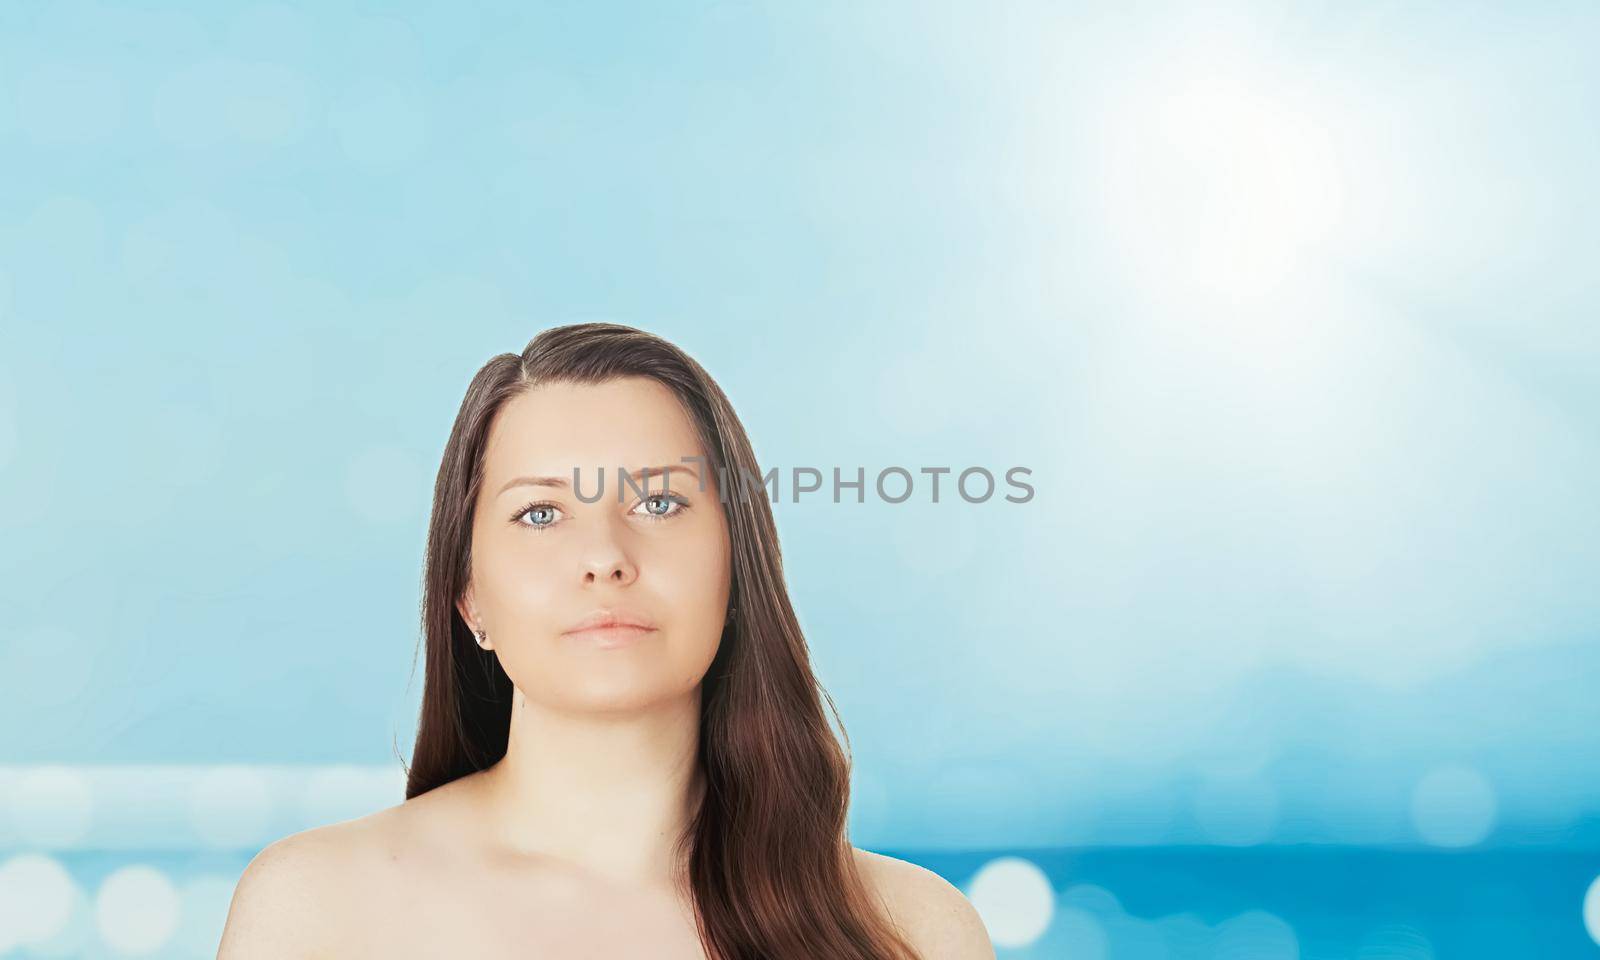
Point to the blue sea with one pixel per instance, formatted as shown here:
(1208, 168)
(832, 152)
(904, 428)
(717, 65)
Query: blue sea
(1338, 902)
(1104, 903)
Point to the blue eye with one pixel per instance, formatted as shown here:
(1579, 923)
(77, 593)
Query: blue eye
(668, 500)
(541, 515)
(531, 510)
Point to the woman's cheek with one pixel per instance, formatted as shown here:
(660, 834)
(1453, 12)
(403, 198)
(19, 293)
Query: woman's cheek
(688, 574)
(527, 585)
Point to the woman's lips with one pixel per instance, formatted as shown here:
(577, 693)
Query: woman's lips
(615, 635)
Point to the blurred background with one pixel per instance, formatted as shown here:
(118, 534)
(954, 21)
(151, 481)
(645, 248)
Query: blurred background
(1289, 308)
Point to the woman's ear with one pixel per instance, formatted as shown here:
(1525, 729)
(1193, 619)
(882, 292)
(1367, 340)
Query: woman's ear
(467, 607)
(469, 615)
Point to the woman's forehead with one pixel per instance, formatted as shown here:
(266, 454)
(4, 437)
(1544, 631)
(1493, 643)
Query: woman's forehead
(627, 423)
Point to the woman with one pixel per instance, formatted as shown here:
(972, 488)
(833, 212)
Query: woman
(622, 750)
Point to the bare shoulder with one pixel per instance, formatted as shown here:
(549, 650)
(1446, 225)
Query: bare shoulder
(279, 906)
(297, 895)
(326, 891)
(935, 916)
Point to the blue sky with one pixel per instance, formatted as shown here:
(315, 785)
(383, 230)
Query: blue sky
(1289, 308)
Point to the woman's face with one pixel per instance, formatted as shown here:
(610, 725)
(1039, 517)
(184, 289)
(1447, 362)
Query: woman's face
(538, 570)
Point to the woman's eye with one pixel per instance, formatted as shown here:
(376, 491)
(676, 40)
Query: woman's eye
(543, 516)
(539, 516)
(661, 506)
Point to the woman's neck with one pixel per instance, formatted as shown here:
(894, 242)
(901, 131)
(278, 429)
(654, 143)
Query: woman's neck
(604, 794)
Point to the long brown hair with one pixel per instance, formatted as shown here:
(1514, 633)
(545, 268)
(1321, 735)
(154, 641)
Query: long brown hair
(767, 855)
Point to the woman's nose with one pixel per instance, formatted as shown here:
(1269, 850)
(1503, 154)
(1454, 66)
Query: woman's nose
(617, 570)
(605, 560)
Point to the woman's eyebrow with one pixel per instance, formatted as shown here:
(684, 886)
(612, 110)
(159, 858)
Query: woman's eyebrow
(562, 483)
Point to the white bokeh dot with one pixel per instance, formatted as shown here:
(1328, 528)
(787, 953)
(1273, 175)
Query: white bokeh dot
(36, 898)
(1591, 911)
(136, 910)
(345, 791)
(1255, 935)
(231, 807)
(1453, 806)
(72, 938)
(52, 807)
(1015, 900)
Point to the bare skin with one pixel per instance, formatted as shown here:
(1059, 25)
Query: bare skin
(399, 883)
(562, 849)
(402, 883)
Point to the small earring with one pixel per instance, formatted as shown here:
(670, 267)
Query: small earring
(483, 639)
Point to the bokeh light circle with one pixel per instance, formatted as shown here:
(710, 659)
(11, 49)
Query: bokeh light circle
(1591, 911)
(1453, 806)
(1015, 899)
(136, 910)
(36, 898)
(52, 806)
(344, 792)
(231, 807)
